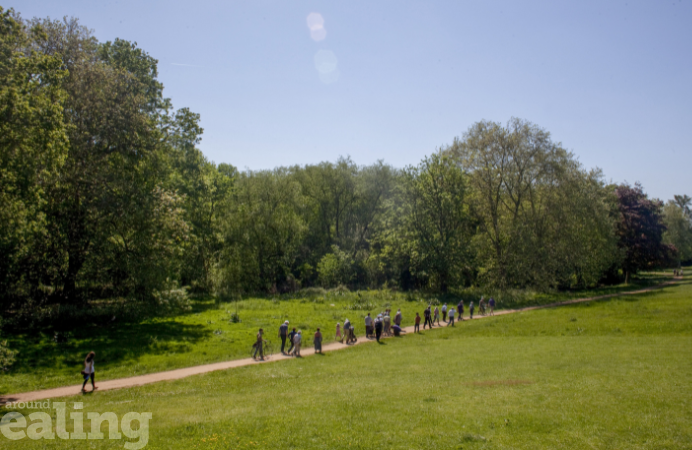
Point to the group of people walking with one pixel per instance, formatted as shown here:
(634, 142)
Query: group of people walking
(295, 340)
(382, 324)
(374, 327)
(431, 316)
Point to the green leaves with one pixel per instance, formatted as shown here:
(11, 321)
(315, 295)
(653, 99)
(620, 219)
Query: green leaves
(436, 220)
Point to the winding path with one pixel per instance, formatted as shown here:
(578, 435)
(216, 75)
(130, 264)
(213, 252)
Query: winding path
(176, 374)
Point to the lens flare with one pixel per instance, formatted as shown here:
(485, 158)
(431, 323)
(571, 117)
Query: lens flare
(315, 21)
(316, 26)
(325, 61)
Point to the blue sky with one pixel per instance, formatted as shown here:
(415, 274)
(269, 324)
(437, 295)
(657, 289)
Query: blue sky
(612, 81)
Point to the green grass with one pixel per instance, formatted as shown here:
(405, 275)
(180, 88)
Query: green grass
(207, 335)
(615, 374)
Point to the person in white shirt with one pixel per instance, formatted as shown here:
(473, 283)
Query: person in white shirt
(451, 317)
(444, 312)
(368, 326)
(297, 340)
(88, 371)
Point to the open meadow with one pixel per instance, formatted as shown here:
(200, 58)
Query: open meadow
(207, 333)
(609, 374)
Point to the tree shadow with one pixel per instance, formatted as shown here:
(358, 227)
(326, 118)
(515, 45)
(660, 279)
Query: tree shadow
(112, 345)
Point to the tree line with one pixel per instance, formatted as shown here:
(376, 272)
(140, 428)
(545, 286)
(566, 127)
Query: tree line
(104, 193)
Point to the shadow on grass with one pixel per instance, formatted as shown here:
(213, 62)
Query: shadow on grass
(125, 342)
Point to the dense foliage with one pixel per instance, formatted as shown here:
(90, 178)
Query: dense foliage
(104, 193)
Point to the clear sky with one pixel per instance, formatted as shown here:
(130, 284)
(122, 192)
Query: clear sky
(394, 80)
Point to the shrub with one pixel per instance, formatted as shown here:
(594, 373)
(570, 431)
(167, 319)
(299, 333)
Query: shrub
(172, 298)
(313, 292)
(7, 356)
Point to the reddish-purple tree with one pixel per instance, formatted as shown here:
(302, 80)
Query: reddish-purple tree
(640, 230)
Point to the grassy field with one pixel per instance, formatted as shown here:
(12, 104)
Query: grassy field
(615, 374)
(207, 334)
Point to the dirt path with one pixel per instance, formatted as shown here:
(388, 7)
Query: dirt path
(196, 370)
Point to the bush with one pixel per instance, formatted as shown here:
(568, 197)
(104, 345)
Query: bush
(7, 356)
(335, 268)
(339, 290)
(173, 299)
(313, 292)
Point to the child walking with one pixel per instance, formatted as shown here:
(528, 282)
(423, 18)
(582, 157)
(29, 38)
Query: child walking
(416, 328)
(339, 337)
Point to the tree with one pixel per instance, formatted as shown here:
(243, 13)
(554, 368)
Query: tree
(640, 230)
(534, 205)
(33, 147)
(437, 219)
(678, 221)
(203, 188)
(264, 230)
(111, 187)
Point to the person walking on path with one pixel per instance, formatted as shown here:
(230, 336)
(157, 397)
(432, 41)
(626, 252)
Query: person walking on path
(444, 312)
(387, 323)
(347, 331)
(378, 327)
(397, 318)
(436, 317)
(291, 335)
(460, 309)
(451, 317)
(297, 341)
(283, 334)
(318, 341)
(88, 371)
(259, 347)
(428, 320)
(471, 310)
(351, 335)
(491, 304)
(338, 336)
(368, 325)
(416, 327)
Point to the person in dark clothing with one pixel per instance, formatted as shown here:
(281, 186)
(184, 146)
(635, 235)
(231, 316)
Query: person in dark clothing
(378, 327)
(416, 328)
(491, 304)
(460, 310)
(428, 319)
(283, 333)
(291, 335)
(397, 330)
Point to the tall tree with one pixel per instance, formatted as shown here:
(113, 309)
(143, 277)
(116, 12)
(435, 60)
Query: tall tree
(33, 147)
(678, 220)
(640, 230)
(437, 219)
(110, 188)
(519, 180)
(264, 230)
